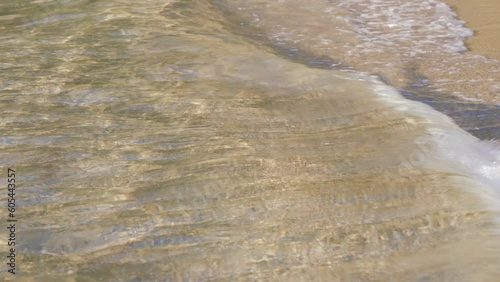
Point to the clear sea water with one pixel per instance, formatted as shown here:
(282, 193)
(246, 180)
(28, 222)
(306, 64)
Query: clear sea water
(259, 140)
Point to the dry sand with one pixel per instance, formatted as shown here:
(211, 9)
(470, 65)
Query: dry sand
(482, 16)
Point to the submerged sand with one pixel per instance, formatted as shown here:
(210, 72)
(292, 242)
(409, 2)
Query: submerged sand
(482, 17)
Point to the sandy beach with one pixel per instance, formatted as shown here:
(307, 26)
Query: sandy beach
(482, 17)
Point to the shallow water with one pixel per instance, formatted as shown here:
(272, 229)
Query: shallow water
(186, 141)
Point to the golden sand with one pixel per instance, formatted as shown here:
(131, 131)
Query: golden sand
(482, 16)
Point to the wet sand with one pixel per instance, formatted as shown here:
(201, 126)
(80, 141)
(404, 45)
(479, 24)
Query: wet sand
(482, 17)
(473, 79)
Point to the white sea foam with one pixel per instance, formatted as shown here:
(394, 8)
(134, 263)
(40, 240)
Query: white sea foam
(410, 27)
(407, 27)
(448, 147)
